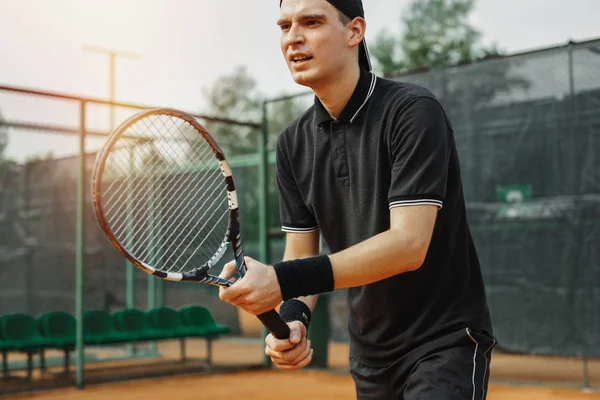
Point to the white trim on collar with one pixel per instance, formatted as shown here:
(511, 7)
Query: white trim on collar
(371, 90)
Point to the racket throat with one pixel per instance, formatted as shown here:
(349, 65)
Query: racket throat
(197, 274)
(201, 275)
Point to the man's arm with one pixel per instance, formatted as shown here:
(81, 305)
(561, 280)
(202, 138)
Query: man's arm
(302, 245)
(296, 352)
(402, 248)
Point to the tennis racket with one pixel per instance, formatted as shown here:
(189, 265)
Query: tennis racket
(164, 195)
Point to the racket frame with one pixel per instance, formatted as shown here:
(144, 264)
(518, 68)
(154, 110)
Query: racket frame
(270, 319)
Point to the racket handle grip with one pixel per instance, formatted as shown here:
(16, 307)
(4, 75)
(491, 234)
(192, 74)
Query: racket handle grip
(273, 322)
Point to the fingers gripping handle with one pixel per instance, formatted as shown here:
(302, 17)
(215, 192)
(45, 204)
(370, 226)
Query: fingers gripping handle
(273, 322)
(271, 319)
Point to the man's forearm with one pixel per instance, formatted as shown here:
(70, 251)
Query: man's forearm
(402, 248)
(382, 256)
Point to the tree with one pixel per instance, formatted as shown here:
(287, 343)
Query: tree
(280, 113)
(234, 96)
(385, 52)
(3, 137)
(437, 37)
(48, 155)
(436, 34)
(9, 244)
(5, 164)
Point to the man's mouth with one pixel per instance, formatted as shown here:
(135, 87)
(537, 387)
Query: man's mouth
(300, 59)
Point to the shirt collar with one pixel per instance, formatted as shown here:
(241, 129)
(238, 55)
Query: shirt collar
(363, 91)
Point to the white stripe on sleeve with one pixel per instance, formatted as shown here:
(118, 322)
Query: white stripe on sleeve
(299, 230)
(418, 202)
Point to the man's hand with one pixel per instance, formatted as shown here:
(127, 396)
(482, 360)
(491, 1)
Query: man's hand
(257, 293)
(292, 353)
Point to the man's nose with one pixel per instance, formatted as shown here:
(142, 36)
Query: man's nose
(294, 36)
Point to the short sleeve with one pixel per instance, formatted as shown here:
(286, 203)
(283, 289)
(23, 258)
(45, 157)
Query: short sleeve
(420, 152)
(295, 216)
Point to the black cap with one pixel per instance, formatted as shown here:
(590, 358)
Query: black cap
(353, 9)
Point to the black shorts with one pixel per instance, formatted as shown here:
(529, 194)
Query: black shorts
(453, 367)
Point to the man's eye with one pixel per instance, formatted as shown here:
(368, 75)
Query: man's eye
(312, 22)
(285, 27)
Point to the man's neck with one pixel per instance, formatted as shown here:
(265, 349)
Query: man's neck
(336, 94)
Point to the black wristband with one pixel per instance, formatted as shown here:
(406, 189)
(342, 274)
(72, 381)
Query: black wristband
(303, 277)
(295, 310)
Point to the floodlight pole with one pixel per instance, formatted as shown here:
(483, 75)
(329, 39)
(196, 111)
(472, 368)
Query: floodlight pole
(112, 55)
(80, 251)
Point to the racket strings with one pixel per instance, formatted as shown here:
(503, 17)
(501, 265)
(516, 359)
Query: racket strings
(198, 246)
(120, 224)
(134, 175)
(171, 220)
(177, 239)
(127, 165)
(165, 196)
(213, 239)
(186, 228)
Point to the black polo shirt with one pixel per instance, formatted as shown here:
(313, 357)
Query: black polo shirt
(391, 146)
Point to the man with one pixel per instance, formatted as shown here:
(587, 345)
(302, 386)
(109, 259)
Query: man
(372, 166)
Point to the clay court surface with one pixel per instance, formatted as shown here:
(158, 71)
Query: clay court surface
(532, 378)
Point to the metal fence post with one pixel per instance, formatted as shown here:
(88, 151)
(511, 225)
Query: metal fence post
(319, 331)
(263, 199)
(80, 250)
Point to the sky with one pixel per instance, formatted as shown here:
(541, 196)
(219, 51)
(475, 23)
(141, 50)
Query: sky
(183, 46)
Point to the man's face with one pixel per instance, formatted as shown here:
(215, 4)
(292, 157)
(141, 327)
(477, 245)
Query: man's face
(313, 41)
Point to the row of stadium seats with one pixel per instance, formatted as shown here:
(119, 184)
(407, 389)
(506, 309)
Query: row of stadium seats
(57, 330)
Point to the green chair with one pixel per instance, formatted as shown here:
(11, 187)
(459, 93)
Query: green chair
(168, 322)
(20, 333)
(99, 329)
(134, 324)
(60, 328)
(5, 347)
(198, 321)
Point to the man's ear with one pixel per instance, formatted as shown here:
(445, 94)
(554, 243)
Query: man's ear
(358, 28)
